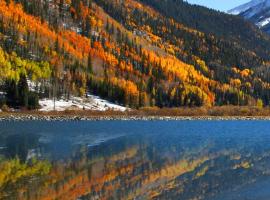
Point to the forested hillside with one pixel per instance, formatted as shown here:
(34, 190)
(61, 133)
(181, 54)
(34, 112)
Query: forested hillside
(131, 52)
(228, 27)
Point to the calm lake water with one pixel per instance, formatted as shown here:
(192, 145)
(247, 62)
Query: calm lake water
(215, 160)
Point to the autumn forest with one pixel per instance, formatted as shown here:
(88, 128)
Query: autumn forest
(137, 53)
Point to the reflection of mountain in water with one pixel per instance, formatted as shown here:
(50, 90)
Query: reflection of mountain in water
(172, 161)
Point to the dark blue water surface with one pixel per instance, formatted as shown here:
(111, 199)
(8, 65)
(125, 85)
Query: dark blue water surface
(215, 160)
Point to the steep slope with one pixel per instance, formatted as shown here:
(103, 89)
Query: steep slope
(132, 52)
(258, 12)
(224, 26)
(105, 59)
(219, 59)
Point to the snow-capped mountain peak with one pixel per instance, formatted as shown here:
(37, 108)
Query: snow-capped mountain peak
(257, 11)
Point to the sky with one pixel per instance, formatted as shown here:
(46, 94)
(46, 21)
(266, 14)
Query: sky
(223, 5)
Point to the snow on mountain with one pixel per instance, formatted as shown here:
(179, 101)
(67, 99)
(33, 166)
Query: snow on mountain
(257, 11)
(77, 103)
(244, 7)
(264, 22)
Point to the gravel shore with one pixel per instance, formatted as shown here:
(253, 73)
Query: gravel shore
(126, 118)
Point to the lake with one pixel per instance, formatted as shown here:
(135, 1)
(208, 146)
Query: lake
(213, 160)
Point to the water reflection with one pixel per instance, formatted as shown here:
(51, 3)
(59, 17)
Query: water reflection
(22, 145)
(134, 160)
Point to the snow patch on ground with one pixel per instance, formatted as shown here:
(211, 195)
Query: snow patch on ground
(77, 103)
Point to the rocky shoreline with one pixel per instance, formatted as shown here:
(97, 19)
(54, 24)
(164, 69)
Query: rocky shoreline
(128, 118)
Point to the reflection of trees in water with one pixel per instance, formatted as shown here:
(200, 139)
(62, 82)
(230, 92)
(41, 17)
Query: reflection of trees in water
(17, 176)
(159, 168)
(20, 144)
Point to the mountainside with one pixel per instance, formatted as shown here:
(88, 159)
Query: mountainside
(244, 7)
(221, 25)
(135, 53)
(257, 11)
